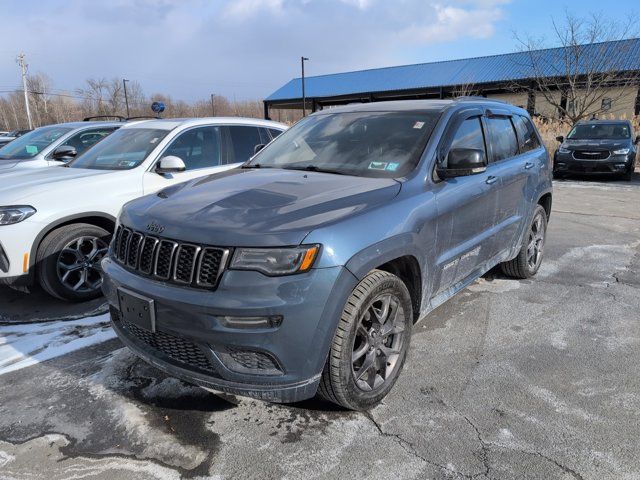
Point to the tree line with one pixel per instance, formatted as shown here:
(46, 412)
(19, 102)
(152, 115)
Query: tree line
(101, 96)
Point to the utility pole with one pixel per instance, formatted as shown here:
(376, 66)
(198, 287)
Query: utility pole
(213, 106)
(23, 67)
(126, 98)
(304, 99)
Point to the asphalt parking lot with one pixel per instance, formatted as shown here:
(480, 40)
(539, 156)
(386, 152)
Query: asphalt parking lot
(508, 380)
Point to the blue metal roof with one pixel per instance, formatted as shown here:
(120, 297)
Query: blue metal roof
(624, 55)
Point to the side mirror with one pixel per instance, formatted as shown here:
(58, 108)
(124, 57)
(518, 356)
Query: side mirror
(637, 140)
(170, 164)
(64, 153)
(258, 147)
(560, 138)
(462, 162)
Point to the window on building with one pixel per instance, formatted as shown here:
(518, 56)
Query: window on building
(502, 138)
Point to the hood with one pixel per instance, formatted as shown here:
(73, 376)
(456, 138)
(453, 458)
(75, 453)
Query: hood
(27, 185)
(599, 144)
(256, 207)
(7, 164)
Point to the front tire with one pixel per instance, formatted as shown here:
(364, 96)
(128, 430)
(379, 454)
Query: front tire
(370, 344)
(529, 258)
(69, 262)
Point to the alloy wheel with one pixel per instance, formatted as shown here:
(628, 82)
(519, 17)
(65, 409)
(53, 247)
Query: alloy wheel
(535, 245)
(378, 342)
(78, 265)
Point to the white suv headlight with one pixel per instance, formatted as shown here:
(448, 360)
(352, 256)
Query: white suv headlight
(15, 214)
(275, 261)
(622, 151)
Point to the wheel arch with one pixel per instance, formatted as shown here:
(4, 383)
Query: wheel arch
(98, 219)
(398, 255)
(545, 201)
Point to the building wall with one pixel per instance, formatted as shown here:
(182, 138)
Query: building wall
(622, 104)
(517, 99)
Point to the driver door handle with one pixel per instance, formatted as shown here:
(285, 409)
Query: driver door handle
(528, 165)
(491, 179)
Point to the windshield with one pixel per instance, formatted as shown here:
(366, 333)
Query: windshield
(31, 144)
(597, 131)
(122, 150)
(367, 144)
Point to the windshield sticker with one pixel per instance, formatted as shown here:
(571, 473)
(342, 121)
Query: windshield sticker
(378, 166)
(418, 125)
(31, 149)
(154, 140)
(393, 166)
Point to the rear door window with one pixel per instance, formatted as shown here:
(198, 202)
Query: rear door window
(274, 132)
(243, 142)
(502, 138)
(527, 137)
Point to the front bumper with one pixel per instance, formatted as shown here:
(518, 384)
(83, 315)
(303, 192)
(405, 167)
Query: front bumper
(16, 242)
(192, 342)
(616, 164)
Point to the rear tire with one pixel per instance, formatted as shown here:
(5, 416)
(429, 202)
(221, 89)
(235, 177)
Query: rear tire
(69, 262)
(370, 344)
(529, 258)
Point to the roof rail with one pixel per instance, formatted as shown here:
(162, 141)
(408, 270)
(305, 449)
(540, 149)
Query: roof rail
(142, 117)
(478, 97)
(88, 119)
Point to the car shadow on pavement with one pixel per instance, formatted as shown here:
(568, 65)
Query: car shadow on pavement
(37, 306)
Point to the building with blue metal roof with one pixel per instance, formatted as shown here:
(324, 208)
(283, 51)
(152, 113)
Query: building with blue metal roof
(508, 77)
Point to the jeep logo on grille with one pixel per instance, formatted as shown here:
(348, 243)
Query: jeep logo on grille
(154, 227)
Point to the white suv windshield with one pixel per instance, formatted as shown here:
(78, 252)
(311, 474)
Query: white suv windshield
(122, 150)
(366, 144)
(32, 143)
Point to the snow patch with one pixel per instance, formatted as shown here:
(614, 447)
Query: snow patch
(24, 345)
(497, 285)
(5, 458)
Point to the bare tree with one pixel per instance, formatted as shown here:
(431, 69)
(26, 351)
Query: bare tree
(589, 72)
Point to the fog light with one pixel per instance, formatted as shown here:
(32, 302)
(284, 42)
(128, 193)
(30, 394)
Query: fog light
(271, 321)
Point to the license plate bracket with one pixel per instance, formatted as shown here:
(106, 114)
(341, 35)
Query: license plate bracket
(137, 309)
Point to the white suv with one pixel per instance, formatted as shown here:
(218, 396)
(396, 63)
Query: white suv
(56, 223)
(53, 144)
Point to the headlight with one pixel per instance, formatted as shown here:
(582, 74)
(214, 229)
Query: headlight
(275, 261)
(622, 151)
(15, 214)
(563, 150)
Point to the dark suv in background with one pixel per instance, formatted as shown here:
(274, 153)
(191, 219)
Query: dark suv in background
(597, 147)
(304, 270)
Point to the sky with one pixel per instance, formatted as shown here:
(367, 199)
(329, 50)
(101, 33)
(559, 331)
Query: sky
(247, 49)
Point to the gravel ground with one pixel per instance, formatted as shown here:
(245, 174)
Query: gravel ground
(508, 380)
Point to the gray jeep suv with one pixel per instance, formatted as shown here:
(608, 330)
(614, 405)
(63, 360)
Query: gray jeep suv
(305, 269)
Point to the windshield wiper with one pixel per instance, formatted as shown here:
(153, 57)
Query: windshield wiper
(255, 165)
(314, 168)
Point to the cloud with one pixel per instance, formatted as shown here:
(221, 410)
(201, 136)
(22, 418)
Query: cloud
(247, 48)
(246, 8)
(454, 22)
